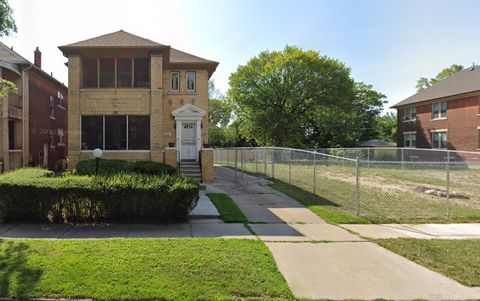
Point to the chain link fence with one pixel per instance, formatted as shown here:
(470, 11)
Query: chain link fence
(444, 186)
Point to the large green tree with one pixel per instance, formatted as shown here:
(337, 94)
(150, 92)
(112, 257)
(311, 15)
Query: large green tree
(386, 127)
(423, 82)
(299, 98)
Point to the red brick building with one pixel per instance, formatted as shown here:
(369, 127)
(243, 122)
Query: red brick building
(33, 121)
(443, 116)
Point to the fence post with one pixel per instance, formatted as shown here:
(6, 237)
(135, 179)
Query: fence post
(236, 164)
(242, 164)
(273, 163)
(368, 156)
(314, 173)
(447, 196)
(403, 158)
(357, 187)
(265, 161)
(290, 168)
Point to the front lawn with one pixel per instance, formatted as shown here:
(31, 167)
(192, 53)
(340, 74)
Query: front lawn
(140, 269)
(457, 259)
(229, 211)
(325, 209)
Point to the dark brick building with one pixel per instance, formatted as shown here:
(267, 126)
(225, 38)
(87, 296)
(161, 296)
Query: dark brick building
(443, 116)
(33, 121)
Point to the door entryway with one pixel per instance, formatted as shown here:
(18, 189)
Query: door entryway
(188, 150)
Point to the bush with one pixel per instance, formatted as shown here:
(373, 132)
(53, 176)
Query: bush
(123, 197)
(110, 167)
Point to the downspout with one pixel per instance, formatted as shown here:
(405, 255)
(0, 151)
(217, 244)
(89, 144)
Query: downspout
(25, 88)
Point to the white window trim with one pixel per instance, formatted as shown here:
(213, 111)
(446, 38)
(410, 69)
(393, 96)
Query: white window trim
(439, 131)
(405, 119)
(171, 78)
(410, 133)
(194, 82)
(433, 111)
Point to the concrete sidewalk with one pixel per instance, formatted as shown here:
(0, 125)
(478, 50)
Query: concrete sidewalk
(347, 267)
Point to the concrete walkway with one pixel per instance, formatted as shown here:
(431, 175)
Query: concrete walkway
(347, 267)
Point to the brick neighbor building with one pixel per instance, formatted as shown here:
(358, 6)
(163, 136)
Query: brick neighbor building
(137, 99)
(443, 116)
(33, 121)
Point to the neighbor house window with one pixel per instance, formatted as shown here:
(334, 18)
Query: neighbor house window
(410, 114)
(191, 81)
(61, 100)
(439, 139)
(439, 110)
(107, 73)
(174, 81)
(11, 134)
(116, 132)
(410, 139)
(60, 137)
(51, 107)
(142, 72)
(92, 132)
(124, 73)
(90, 73)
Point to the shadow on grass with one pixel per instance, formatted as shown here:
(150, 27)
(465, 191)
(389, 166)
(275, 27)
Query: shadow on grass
(17, 278)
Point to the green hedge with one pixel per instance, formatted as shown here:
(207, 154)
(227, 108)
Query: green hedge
(32, 195)
(109, 167)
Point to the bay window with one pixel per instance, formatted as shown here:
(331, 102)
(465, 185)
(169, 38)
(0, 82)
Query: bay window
(115, 132)
(124, 73)
(116, 72)
(107, 73)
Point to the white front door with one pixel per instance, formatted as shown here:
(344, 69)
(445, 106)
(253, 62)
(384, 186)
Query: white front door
(189, 141)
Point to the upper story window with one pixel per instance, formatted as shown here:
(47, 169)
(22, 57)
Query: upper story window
(439, 110)
(410, 139)
(60, 137)
(142, 73)
(410, 114)
(175, 81)
(116, 72)
(51, 107)
(61, 100)
(191, 81)
(439, 139)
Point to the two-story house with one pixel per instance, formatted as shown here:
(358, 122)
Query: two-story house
(33, 121)
(137, 99)
(443, 116)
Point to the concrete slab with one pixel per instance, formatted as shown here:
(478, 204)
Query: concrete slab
(375, 231)
(159, 231)
(325, 232)
(5, 227)
(206, 221)
(360, 270)
(297, 215)
(278, 232)
(35, 231)
(204, 208)
(221, 230)
(97, 231)
(447, 229)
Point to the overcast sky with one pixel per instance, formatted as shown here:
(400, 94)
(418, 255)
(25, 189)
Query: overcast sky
(388, 44)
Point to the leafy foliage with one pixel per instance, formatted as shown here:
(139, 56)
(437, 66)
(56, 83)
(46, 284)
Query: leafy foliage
(386, 127)
(6, 87)
(423, 82)
(302, 99)
(121, 197)
(7, 23)
(108, 167)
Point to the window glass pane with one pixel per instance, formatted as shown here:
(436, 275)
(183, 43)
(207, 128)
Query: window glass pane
(90, 73)
(92, 132)
(139, 132)
(174, 82)
(190, 81)
(142, 73)
(124, 73)
(115, 132)
(107, 73)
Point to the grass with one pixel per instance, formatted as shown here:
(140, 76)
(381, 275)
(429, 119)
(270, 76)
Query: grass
(140, 269)
(322, 207)
(457, 259)
(229, 211)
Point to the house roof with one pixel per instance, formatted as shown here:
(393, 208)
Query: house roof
(119, 38)
(465, 81)
(177, 56)
(8, 55)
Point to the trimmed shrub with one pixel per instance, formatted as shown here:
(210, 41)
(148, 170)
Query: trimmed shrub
(153, 168)
(110, 167)
(123, 197)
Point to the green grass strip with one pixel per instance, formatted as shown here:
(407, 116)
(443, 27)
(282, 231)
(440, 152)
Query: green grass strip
(325, 209)
(229, 211)
(457, 259)
(140, 269)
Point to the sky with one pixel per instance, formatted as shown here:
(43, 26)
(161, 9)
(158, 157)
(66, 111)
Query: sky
(388, 44)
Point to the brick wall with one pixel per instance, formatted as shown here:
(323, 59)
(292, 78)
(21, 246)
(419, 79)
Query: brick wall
(462, 123)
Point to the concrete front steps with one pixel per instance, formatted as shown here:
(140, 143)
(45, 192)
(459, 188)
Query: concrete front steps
(191, 169)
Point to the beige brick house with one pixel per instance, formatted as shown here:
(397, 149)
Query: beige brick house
(138, 100)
